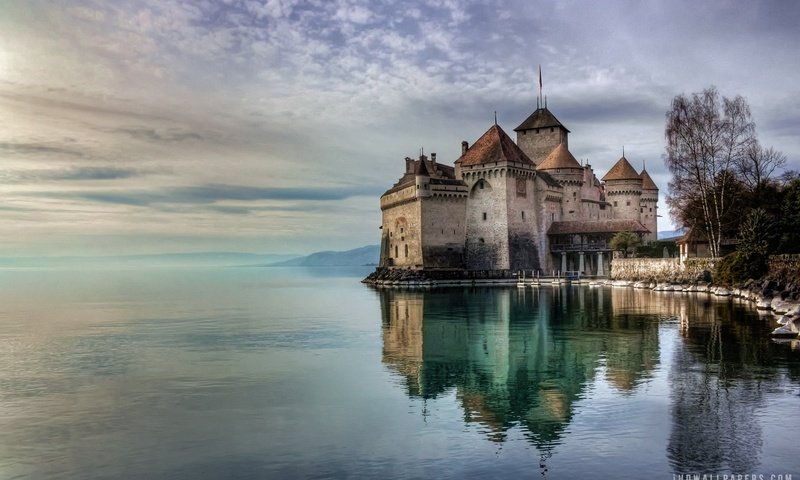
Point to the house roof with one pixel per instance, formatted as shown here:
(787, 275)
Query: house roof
(622, 170)
(560, 157)
(647, 181)
(493, 146)
(596, 226)
(540, 118)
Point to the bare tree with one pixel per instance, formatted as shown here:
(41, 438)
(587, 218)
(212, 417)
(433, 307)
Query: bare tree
(756, 167)
(707, 137)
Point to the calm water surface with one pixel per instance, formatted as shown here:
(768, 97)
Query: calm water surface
(294, 373)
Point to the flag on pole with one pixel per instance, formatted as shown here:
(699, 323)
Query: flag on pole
(540, 79)
(539, 100)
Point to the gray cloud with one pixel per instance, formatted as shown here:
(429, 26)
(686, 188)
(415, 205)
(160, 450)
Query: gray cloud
(39, 149)
(74, 174)
(226, 95)
(168, 135)
(208, 194)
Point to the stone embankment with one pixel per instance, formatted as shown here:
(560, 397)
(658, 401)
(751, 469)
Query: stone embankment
(396, 277)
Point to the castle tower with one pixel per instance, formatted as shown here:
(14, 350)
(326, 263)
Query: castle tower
(565, 169)
(540, 133)
(501, 217)
(624, 190)
(423, 218)
(649, 206)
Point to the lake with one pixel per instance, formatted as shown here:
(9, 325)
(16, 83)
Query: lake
(208, 373)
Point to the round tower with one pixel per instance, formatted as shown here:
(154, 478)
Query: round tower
(562, 166)
(623, 187)
(649, 206)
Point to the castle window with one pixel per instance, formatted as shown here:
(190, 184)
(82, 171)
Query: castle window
(651, 209)
(628, 203)
(615, 203)
(396, 254)
(401, 229)
(484, 215)
(406, 251)
(551, 129)
(641, 210)
(480, 185)
(480, 240)
(552, 216)
(523, 215)
(537, 130)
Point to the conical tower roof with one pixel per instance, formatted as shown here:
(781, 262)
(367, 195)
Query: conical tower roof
(540, 118)
(622, 170)
(422, 169)
(560, 157)
(647, 181)
(493, 146)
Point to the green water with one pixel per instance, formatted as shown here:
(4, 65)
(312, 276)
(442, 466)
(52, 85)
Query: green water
(296, 373)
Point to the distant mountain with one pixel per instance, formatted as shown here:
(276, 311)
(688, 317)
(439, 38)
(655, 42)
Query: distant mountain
(671, 233)
(164, 259)
(368, 255)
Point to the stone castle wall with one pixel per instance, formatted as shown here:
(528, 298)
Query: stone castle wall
(538, 143)
(522, 222)
(443, 231)
(487, 227)
(661, 269)
(401, 224)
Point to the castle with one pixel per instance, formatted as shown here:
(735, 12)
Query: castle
(510, 206)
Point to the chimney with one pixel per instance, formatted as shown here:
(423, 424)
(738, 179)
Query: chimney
(433, 158)
(409, 165)
(464, 147)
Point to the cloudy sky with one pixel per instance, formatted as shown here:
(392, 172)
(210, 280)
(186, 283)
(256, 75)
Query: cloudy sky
(274, 125)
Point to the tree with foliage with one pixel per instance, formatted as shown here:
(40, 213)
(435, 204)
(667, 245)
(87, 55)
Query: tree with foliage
(624, 242)
(789, 237)
(756, 241)
(707, 136)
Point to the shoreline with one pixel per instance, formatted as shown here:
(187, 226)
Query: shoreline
(765, 298)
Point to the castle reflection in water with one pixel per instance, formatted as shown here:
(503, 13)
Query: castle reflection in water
(524, 357)
(517, 356)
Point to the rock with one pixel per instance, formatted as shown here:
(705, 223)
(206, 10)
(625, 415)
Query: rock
(764, 303)
(722, 292)
(783, 332)
(778, 306)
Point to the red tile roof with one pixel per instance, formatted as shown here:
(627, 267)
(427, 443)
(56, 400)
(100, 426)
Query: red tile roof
(559, 158)
(541, 118)
(647, 181)
(493, 146)
(622, 170)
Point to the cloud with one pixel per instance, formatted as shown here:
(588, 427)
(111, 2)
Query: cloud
(151, 134)
(39, 149)
(230, 113)
(73, 174)
(209, 194)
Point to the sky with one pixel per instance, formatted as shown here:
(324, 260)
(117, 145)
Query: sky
(273, 126)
